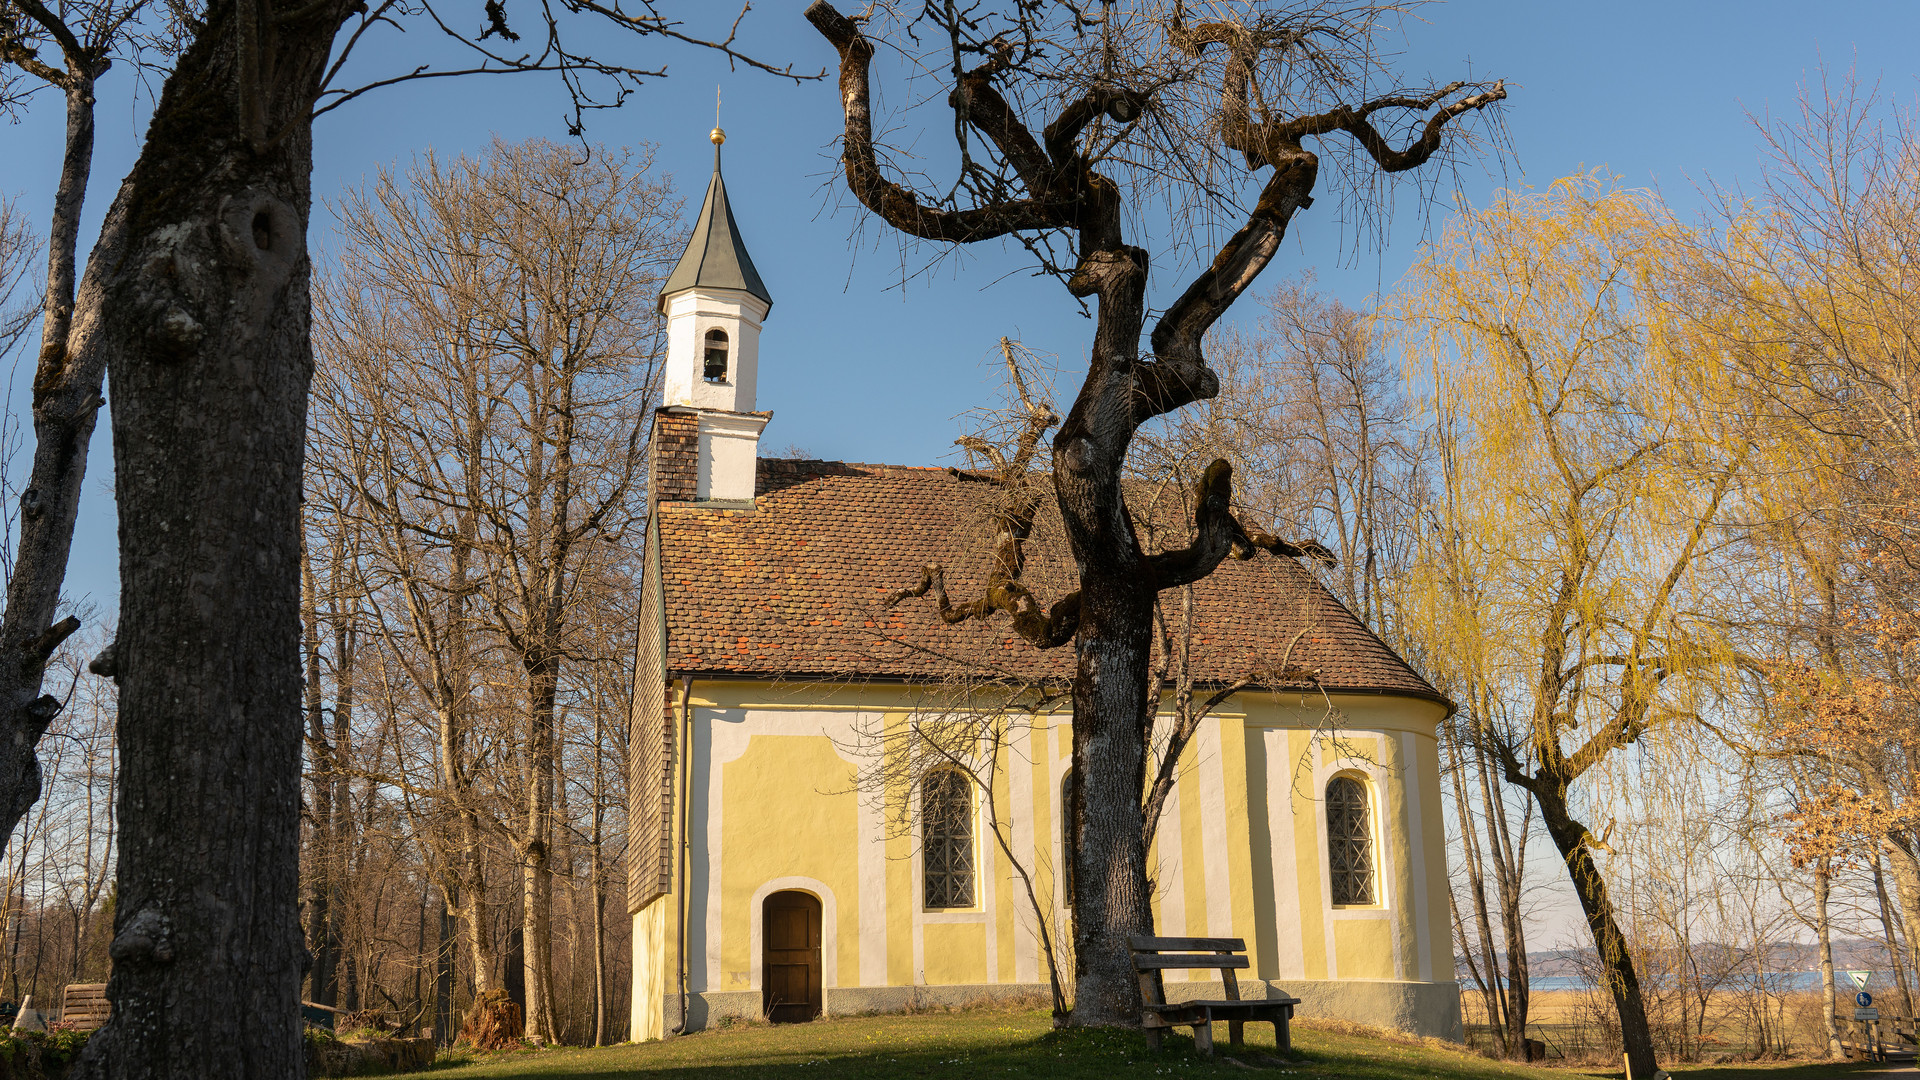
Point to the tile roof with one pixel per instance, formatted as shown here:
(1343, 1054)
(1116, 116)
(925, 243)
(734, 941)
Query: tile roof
(793, 588)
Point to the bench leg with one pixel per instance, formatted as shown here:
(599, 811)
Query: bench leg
(1153, 1038)
(1236, 1033)
(1282, 1038)
(1203, 1038)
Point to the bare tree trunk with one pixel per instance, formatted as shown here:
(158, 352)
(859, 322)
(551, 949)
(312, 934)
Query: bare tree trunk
(1477, 888)
(485, 950)
(1823, 932)
(536, 913)
(443, 963)
(1110, 618)
(1895, 957)
(66, 403)
(1109, 758)
(536, 860)
(469, 869)
(452, 686)
(1509, 869)
(1616, 962)
(322, 940)
(598, 879)
(198, 294)
(1112, 648)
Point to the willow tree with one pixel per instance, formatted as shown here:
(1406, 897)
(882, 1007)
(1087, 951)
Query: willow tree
(1587, 487)
(1071, 121)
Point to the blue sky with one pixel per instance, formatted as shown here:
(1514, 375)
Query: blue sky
(856, 365)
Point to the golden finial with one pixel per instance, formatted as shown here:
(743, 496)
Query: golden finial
(717, 137)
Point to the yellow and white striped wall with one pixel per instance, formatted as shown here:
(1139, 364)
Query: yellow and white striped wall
(1241, 852)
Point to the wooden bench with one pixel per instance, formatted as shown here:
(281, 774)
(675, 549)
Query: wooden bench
(84, 1006)
(1153, 955)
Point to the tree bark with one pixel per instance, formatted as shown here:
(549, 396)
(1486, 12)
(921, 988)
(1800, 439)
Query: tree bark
(1823, 932)
(540, 640)
(1509, 869)
(443, 962)
(66, 404)
(1113, 643)
(198, 296)
(471, 905)
(340, 821)
(1110, 618)
(537, 888)
(1477, 888)
(597, 880)
(1896, 957)
(322, 941)
(1623, 983)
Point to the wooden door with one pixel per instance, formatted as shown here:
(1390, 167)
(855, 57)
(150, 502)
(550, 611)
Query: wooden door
(790, 957)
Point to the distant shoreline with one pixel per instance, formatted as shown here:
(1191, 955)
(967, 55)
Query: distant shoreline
(1880, 982)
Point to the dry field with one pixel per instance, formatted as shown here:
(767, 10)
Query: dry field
(1580, 1028)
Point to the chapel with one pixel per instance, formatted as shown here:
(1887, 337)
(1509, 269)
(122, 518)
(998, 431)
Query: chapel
(765, 881)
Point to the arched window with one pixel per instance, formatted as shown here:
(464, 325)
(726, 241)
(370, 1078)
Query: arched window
(946, 842)
(1349, 841)
(716, 355)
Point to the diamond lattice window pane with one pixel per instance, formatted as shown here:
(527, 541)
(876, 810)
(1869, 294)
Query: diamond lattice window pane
(946, 807)
(1349, 841)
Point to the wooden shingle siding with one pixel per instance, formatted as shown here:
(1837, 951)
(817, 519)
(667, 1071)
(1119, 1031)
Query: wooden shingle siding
(673, 459)
(650, 750)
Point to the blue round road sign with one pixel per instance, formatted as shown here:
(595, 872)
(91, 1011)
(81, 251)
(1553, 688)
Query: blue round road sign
(1863, 999)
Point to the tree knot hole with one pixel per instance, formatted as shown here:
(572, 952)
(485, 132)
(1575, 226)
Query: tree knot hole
(263, 229)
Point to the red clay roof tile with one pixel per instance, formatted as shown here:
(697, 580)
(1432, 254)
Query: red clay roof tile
(793, 588)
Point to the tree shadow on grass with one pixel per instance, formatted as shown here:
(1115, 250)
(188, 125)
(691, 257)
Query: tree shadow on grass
(1053, 1055)
(1017, 1046)
(1016, 1042)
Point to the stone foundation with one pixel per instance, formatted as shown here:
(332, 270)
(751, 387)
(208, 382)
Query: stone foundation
(1430, 1009)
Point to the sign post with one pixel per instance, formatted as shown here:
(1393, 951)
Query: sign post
(1864, 1012)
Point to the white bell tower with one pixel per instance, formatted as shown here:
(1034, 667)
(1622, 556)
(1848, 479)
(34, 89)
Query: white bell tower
(714, 302)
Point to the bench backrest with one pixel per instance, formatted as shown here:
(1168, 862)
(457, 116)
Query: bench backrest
(1152, 955)
(84, 1006)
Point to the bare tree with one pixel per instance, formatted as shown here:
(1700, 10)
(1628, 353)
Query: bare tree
(58, 885)
(1803, 287)
(85, 38)
(1314, 417)
(488, 355)
(19, 250)
(195, 300)
(1066, 121)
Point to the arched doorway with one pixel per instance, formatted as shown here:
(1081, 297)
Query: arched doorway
(790, 957)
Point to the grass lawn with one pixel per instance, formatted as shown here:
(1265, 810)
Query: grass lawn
(989, 1045)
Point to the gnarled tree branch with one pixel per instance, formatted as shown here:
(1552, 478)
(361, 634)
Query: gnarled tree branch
(899, 206)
